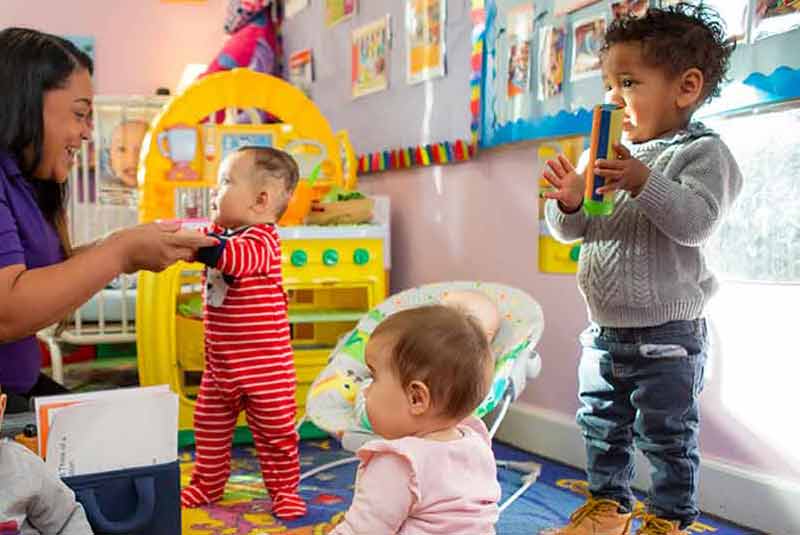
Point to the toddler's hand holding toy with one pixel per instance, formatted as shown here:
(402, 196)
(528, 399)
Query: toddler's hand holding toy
(568, 182)
(625, 173)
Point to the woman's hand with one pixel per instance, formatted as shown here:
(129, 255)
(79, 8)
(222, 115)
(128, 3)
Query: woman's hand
(568, 183)
(625, 173)
(156, 246)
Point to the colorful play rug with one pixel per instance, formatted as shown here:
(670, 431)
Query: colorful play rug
(245, 509)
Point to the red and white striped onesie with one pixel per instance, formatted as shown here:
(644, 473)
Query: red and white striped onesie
(249, 366)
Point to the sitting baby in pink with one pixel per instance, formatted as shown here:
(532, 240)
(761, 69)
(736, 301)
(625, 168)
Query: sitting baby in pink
(433, 472)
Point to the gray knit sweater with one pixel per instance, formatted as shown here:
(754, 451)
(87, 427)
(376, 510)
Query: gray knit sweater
(644, 264)
(33, 500)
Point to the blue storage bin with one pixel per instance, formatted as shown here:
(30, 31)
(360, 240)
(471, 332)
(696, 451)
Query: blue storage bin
(138, 501)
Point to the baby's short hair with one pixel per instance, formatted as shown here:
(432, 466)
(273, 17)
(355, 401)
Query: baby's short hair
(678, 38)
(271, 164)
(445, 349)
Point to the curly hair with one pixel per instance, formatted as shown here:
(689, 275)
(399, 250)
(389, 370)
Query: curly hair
(678, 38)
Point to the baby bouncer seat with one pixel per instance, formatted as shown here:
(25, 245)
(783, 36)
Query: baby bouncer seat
(335, 401)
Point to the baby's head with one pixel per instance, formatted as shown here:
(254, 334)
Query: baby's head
(479, 307)
(431, 367)
(663, 66)
(254, 186)
(126, 142)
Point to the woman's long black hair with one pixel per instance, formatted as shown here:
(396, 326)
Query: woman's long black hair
(32, 63)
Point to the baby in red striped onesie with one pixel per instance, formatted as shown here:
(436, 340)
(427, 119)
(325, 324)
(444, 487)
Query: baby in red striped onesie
(249, 364)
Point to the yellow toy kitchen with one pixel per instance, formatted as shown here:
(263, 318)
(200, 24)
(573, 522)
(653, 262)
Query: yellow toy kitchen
(336, 243)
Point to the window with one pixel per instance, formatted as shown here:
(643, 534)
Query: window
(760, 239)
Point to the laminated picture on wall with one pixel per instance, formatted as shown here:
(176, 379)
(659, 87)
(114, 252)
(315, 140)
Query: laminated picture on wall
(370, 52)
(774, 17)
(301, 70)
(629, 8)
(520, 35)
(551, 61)
(120, 129)
(425, 39)
(337, 11)
(293, 7)
(587, 40)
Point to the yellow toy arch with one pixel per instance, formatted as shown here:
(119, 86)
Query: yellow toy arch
(239, 88)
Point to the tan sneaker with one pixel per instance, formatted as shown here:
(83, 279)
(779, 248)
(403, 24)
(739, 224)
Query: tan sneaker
(595, 517)
(653, 525)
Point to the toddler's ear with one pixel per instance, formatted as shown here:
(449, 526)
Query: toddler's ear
(690, 88)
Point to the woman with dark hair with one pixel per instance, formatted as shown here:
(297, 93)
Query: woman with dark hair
(45, 114)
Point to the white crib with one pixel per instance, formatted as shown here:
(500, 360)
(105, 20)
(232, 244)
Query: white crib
(95, 210)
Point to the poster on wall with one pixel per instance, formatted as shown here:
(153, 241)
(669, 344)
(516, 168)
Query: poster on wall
(337, 11)
(301, 70)
(425, 39)
(587, 40)
(774, 17)
(293, 7)
(629, 8)
(370, 52)
(551, 61)
(120, 128)
(520, 36)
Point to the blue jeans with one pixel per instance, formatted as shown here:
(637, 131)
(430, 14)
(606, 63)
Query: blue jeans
(641, 386)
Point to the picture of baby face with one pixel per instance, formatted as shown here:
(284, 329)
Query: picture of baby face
(126, 142)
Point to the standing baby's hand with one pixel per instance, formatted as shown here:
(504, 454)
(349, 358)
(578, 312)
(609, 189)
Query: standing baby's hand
(626, 173)
(156, 246)
(568, 183)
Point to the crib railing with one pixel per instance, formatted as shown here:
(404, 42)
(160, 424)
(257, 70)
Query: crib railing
(91, 217)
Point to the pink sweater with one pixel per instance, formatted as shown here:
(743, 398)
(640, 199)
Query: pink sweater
(414, 486)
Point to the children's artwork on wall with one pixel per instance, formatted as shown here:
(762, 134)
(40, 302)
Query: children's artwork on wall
(761, 72)
(552, 42)
(301, 70)
(370, 46)
(774, 17)
(337, 11)
(293, 7)
(520, 35)
(629, 8)
(410, 131)
(587, 40)
(120, 128)
(425, 39)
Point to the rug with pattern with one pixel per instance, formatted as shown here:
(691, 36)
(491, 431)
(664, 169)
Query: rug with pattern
(245, 510)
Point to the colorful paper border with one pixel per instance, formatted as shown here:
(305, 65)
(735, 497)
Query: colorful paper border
(446, 151)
